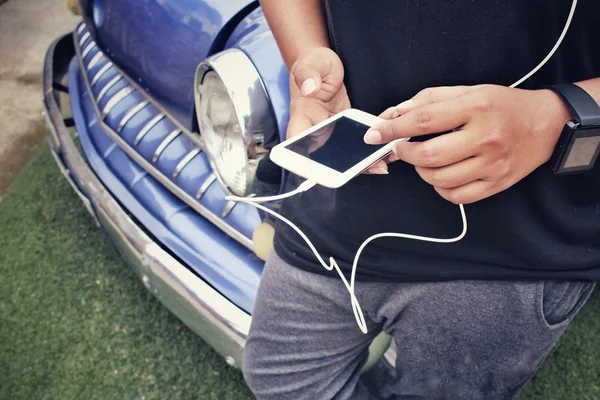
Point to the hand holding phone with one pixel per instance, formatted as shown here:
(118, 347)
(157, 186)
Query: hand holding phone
(333, 152)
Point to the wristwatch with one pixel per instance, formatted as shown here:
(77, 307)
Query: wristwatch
(579, 143)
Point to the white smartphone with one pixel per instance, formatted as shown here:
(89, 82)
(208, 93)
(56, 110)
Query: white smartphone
(333, 152)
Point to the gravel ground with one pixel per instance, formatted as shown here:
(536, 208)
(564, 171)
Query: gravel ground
(27, 28)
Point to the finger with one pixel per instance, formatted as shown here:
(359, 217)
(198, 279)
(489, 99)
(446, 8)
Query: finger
(454, 175)
(391, 158)
(319, 69)
(388, 160)
(446, 149)
(434, 95)
(379, 168)
(469, 193)
(425, 96)
(431, 118)
(390, 113)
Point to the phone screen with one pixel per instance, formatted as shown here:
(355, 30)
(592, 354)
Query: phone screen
(338, 145)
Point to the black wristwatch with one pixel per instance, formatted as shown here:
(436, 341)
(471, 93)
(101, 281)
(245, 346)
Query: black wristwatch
(579, 143)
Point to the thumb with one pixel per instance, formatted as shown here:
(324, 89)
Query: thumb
(433, 95)
(311, 71)
(299, 122)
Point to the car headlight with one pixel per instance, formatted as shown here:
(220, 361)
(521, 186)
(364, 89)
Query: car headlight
(234, 117)
(221, 135)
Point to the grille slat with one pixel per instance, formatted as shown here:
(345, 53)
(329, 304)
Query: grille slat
(163, 145)
(94, 61)
(185, 161)
(88, 49)
(151, 124)
(123, 93)
(83, 38)
(108, 86)
(130, 114)
(99, 74)
(209, 181)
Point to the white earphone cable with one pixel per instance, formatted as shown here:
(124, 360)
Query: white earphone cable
(306, 185)
(556, 46)
(358, 314)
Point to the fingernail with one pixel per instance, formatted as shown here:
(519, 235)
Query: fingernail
(380, 171)
(405, 104)
(308, 86)
(395, 114)
(373, 136)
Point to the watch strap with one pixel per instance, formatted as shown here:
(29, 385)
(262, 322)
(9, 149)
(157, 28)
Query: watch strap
(582, 106)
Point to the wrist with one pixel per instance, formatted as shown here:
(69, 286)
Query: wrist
(552, 116)
(302, 51)
(554, 107)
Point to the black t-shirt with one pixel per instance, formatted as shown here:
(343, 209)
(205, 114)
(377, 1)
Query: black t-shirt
(545, 226)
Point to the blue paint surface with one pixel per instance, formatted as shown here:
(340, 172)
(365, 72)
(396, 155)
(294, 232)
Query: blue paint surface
(230, 268)
(161, 42)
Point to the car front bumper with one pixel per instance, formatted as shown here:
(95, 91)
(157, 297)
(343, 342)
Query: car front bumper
(221, 323)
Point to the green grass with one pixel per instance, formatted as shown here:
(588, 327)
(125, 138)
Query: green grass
(75, 323)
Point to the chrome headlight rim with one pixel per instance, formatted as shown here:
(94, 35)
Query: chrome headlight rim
(250, 100)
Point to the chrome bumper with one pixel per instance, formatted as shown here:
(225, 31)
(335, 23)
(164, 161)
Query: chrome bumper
(219, 322)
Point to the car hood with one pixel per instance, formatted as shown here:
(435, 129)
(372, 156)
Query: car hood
(160, 43)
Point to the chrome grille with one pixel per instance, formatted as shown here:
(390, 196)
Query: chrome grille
(114, 96)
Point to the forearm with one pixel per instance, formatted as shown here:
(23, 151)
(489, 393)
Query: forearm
(298, 26)
(592, 86)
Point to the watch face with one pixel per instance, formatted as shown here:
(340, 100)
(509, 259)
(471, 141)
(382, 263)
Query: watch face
(582, 151)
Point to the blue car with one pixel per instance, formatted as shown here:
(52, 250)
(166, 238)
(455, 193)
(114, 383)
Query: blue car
(175, 105)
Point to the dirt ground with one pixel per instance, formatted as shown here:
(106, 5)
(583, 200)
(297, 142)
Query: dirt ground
(27, 28)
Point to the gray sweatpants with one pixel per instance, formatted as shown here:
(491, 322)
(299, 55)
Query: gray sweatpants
(455, 340)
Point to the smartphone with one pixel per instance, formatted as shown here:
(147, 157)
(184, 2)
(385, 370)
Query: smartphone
(333, 152)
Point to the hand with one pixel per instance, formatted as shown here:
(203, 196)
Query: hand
(317, 89)
(500, 135)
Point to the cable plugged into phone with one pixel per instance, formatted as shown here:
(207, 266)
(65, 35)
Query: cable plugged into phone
(307, 185)
(303, 187)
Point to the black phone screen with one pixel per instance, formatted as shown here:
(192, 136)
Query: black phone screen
(338, 145)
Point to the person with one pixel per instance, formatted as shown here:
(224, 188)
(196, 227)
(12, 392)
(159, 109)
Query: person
(473, 319)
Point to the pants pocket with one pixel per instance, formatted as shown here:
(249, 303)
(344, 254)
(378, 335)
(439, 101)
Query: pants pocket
(559, 301)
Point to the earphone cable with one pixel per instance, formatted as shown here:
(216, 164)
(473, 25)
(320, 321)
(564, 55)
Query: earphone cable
(308, 184)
